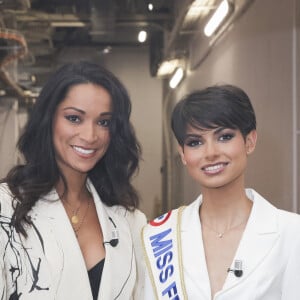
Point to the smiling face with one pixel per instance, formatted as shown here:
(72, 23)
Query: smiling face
(81, 132)
(216, 157)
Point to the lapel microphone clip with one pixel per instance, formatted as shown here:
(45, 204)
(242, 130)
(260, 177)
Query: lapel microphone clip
(114, 235)
(238, 268)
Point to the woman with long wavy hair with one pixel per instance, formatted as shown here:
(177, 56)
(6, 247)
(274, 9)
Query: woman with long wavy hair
(69, 223)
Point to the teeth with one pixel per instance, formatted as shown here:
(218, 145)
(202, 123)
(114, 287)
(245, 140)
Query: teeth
(83, 151)
(213, 168)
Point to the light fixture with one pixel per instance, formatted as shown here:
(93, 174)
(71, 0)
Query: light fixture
(66, 24)
(176, 78)
(106, 50)
(150, 6)
(142, 37)
(217, 18)
(167, 67)
(196, 9)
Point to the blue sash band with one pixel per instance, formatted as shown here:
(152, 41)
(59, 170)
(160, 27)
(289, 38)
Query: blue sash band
(162, 247)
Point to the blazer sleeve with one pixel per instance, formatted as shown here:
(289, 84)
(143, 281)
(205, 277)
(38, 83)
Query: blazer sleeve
(148, 289)
(291, 278)
(2, 272)
(5, 199)
(136, 222)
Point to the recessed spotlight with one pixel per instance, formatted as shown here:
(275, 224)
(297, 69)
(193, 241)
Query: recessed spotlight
(142, 37)
(106, 50)
(150, 6)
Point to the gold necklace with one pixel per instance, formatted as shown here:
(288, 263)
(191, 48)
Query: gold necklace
(82, 220)
(74, 217)
(221, 234)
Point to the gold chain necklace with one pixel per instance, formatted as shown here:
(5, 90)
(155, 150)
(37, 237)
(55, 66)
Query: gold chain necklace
(221, 234)
(74, 218)
(82, 220)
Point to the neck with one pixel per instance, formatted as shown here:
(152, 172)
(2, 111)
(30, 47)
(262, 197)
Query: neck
(225, 207)
(76, 191)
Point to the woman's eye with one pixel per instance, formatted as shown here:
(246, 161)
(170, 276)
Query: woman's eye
(104, 123)
(73, 118)
(226, 137)
(193, 143)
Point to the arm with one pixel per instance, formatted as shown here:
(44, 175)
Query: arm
(2, 279)
(2, 271)
(148, 289)
(291, 277)
(136, 221)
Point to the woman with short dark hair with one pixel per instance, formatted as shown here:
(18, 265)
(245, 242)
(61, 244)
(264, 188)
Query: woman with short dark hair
(230, 243)
(69, 223)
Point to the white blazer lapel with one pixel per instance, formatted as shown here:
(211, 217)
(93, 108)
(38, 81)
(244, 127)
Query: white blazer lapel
(65, 262)
(62, 250)
(119, 265)
(260, 236)
(194, 262)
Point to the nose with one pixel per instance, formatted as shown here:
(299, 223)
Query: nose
(88, 133)
(211, 150)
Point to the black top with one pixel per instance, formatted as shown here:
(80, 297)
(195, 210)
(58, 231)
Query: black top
(95, 274)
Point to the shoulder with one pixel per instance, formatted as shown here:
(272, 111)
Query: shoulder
(6, 200)
(288, 223)
(284, 217)
(134, 218)
(4, 190)
(164, 222)
(193, 206)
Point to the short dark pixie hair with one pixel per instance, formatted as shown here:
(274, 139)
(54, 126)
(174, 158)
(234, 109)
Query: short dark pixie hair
(216, 106)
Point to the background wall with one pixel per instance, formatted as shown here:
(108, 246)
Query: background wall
(132, 67)
(258, 54)
(8, 134)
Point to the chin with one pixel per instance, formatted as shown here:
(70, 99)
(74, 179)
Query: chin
(84, 169)
(215, 185)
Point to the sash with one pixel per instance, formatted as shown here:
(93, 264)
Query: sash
(162, 248)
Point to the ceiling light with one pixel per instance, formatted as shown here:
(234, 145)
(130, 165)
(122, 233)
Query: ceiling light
(66, 24)
(167, 67)
(176, 78)
(142, 37)
(106, 50)
(150, 6)
(196, 9)
(217, 18)
(33, 78)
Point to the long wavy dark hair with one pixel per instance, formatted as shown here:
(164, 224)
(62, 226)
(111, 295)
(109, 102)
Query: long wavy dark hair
(111, 176)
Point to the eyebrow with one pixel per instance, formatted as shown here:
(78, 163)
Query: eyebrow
(218, 130)
(83, 112)
(195, 135)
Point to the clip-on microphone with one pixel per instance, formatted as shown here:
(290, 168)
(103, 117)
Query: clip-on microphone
(238, 268)
(114, 235)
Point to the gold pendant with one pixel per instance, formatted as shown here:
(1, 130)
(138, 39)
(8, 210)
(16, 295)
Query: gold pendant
(74, 219)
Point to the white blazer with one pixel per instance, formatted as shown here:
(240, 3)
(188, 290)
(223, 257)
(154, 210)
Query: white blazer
(49, 263)
(269, 250)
